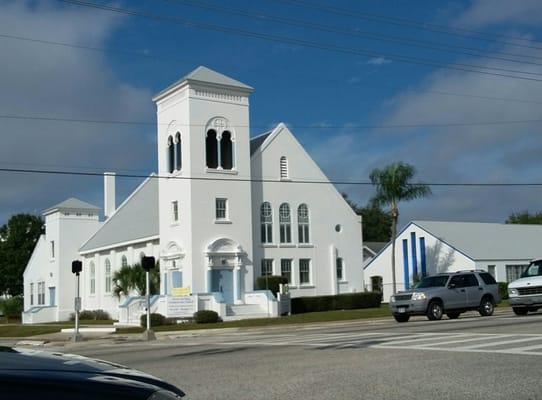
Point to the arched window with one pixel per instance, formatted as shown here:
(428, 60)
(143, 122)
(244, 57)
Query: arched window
(211, 149)
(178, 153)
(170, 155)
(107, 276)
(285, 223)
(123, 261)
(92, 278)
(266, 219)
(284, 168)
(303, 223)
(226, 151)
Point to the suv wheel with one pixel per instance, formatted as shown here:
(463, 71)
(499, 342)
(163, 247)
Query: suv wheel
(453, 315)
(486, 307)
(520, 310)
(401, 317)
(434, 311)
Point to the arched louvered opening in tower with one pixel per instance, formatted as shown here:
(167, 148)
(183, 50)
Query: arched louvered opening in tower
(284, 174)
(211, 149)
(170, 155)
(178, 152)
(226, 151)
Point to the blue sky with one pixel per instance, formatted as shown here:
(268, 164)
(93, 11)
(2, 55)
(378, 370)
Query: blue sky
(305, 87)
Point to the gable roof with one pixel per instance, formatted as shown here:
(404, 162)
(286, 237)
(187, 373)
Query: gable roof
(205, 75)
(488, 241)
(72, 204)
(375, 247)
(136, 218)
(256, 142)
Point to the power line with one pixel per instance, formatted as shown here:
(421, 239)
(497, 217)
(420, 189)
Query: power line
(485, 36)
(252, 180)
(138, 53)
(356, 33)
(305, 43)
(323, 127)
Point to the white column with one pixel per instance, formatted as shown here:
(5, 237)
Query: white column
(236, 296)
(333, 254)
(209, 275)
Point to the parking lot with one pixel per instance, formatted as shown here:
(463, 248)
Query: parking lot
(471, 357)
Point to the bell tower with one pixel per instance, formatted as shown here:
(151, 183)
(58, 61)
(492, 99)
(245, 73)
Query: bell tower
(204, 155)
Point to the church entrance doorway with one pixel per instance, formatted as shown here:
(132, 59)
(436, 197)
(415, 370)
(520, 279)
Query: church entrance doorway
(222, 282)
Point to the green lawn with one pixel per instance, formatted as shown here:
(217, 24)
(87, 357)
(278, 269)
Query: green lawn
(19, 330)
(325, 316)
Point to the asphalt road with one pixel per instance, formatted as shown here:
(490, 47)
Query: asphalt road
(497, 357)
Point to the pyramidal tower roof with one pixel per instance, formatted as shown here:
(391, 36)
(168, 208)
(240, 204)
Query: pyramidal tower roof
(72, 204)
(205, 75)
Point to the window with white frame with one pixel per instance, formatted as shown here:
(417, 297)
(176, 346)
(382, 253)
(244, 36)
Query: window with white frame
(220, 146)
(221, 209)
(303, 223)
(52, 249)
(340, 268)
(285, 221)
(267, 267)
(92, 278)
(304, 271)
(123, 261)
(41, 293)
(286, 269)
(266, 220)
(175, 211)
(107, 276)
(514, 272)
(31, 294)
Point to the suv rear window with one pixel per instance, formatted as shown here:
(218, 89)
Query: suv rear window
(488, 279)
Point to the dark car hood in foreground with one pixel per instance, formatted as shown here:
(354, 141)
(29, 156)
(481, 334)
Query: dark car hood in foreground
(76, 372)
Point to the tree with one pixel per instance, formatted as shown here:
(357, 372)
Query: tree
(393, 185)
(17, 241)
(525, 217)
(132, 277)
(376, 222)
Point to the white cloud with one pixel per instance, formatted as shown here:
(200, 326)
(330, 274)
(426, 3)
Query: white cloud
(378, 61)
(489, 12)
(38, 79)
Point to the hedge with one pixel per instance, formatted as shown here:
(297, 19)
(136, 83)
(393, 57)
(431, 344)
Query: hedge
(12, 307)
(503, 290)
(96, 315)
(206, 317)
(156, 320)
(272, 283)
(348, 301)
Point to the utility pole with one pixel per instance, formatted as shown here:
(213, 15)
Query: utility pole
(77, 267)
(148, 263)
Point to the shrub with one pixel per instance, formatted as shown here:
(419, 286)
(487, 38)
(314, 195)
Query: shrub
(96, 315)
(206, 317)
(156, 320)
(273, 283)
(12, 307)
(347, 301)
(503, 290)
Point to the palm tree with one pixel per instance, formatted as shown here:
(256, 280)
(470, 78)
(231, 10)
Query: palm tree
(393, 185)
(130, 278)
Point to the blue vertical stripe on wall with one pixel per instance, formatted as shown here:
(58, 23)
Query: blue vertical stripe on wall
(422, 256)
(414, 254)
(405, 264)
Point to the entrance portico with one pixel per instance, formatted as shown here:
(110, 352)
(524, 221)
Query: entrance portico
(224, 269)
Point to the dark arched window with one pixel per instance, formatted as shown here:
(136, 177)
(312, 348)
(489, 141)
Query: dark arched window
(170, 155)
(211, 149)
(178, 154)
(226, 151)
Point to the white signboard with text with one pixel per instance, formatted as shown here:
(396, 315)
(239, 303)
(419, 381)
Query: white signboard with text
(180, 306)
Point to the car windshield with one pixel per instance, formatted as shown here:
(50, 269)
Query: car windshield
(534, 269)
(432, 281)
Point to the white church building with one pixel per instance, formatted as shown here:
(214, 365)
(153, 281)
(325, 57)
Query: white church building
(222, 210)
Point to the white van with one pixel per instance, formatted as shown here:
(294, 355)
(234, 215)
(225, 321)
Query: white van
(525, 294)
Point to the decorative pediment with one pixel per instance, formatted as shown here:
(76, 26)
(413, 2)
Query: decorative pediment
(172, 251)
(225, 246)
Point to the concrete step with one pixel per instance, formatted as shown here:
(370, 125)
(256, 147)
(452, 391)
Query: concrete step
(244, 309)
(245, 316)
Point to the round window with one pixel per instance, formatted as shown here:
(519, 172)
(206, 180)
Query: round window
(338, 228)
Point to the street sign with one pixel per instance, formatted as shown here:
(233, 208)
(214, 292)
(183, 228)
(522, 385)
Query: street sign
(78, 304)
(180, 291)
(147, 263)
(77, 267)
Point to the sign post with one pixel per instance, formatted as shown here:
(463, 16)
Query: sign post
(148, 263)
(77, 267)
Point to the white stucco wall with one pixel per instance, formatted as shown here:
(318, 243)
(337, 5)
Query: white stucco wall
(327, 209)
(439, 258)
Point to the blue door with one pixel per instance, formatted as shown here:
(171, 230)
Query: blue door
(52, 295)
(222, 281)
